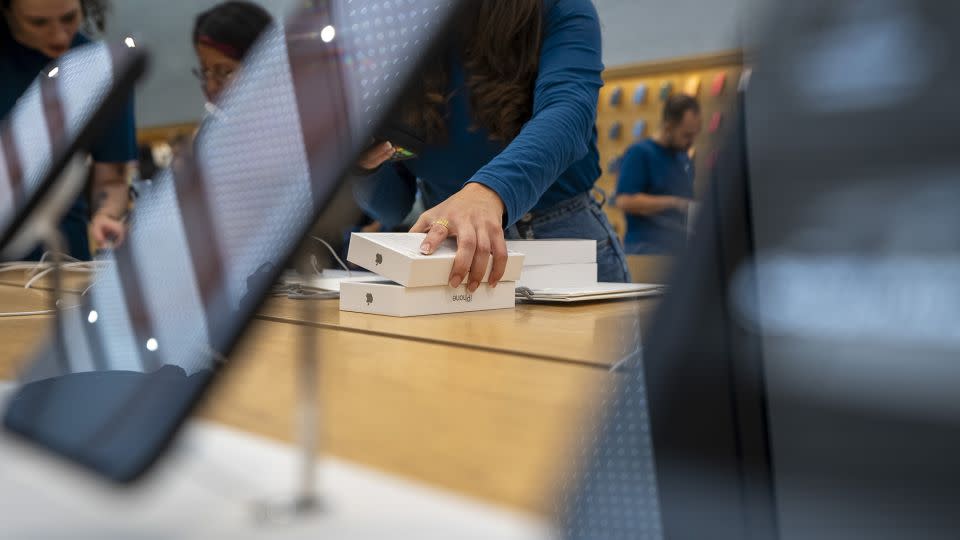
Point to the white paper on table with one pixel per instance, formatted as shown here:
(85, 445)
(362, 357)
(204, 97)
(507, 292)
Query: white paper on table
(330, 280)
(598, 291)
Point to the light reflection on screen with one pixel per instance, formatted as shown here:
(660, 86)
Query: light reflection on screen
(49, 114)
(209, 237)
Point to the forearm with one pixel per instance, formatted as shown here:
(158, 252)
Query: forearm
(565, 94)
(642, 204)
(111, 189)
(533, 161)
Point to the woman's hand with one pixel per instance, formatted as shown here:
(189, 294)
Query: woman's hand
(474, 215)
(376, 156)
(111, 188)
(107, 231)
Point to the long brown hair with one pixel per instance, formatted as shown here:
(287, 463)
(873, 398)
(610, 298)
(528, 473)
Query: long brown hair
(501, 54)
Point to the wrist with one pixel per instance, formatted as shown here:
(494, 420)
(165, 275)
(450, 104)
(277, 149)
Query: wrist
(487, 193)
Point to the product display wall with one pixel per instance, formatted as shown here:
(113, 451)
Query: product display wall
(631, 104)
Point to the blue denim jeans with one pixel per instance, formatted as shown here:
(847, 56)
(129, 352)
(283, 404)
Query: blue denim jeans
(580, 217)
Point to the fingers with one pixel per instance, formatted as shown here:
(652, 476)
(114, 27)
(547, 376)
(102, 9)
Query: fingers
(423, 224)
(98, 235)
(466, 248)
(118, 235)
(481, 259)
(386, 152)
(108, 232)
(474, 217)
(436, 233)
(435, 236)
(376, 156)
(498, 248)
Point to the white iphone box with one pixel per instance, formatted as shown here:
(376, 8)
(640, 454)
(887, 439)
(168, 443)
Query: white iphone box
(387, 298)
(397, 257)
(559, 276)
(550, 251)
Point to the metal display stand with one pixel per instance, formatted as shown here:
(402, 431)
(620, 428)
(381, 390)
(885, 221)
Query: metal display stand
(306, 501)
(54, 244)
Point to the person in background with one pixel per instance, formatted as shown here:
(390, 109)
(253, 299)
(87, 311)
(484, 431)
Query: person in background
(655, 187)
(508, 116)
(222, 36)
(33, 33)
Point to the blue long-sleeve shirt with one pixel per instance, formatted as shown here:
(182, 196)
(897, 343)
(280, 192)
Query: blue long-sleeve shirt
(554, 157)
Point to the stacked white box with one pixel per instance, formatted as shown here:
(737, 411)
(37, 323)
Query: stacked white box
(397, 257)
(416, 284)
(388, 298)
(557, 264)
(558, 276)
(555, 251)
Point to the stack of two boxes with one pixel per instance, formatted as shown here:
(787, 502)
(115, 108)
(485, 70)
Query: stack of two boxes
(416, 284)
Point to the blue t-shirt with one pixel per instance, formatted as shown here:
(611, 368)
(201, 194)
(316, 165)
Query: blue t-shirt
(19, 66)
(554, 158)
(656, 170)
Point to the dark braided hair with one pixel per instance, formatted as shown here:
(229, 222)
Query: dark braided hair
(235, 24)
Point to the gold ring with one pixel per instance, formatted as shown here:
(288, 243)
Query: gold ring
(443, 222)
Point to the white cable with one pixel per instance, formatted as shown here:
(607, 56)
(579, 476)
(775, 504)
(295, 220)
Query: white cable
(334, 253)
(33, 267)
(67, 259)
(27, 313)
(63, 257)
(38, 312)
(37, 277)
(85, 291)
(75, 265)
(17, 267)
(78, 266)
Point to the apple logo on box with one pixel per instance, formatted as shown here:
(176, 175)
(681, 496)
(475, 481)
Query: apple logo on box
(379, 259)
(369, 299)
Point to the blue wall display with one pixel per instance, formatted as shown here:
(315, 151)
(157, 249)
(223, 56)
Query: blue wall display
(640, 95)
(666, 90)
(639, 129)
(616, 131)
(616, 96)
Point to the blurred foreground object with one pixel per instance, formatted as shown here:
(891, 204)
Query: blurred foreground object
(800, 378)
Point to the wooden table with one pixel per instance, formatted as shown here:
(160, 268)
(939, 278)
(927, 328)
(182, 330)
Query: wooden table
(19, 335)
(596, 334)
(493, 405)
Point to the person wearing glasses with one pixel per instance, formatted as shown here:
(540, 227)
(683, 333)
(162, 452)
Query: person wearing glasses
(222, 36)
(33, 33)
